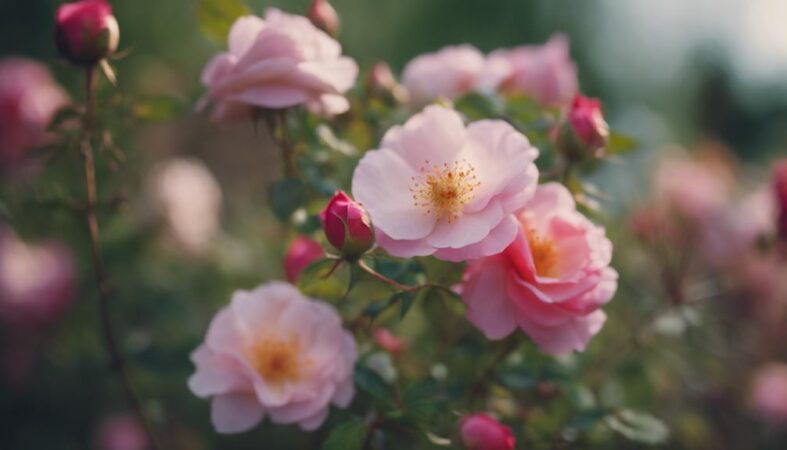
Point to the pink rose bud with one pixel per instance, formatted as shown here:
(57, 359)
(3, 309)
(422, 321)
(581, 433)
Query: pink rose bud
(87, 32)
(324, 16)
(389, 342)
(586, 132)
(481, 432)
(302, 252)
(780, 188)
(347, 225)
(121, 432)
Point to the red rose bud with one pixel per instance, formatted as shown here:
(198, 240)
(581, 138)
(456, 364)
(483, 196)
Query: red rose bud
(324, 16)
(87, 32)
(481, 432)
(780, 189)
(347, 225)
(302, 252)
(586, 131)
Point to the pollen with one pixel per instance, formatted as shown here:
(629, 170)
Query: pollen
(545, 255)
(278, 361)
(444, 190)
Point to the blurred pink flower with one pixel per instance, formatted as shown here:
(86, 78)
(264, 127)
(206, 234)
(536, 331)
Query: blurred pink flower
(121, 432)
(347, 225)
(436, 187)
(389, 342)
(188, 197)
(550, 282)
(278, 62)
(274, 352)
(446, 74)
(29, 99)
(769, 392)
(780, 189)
(87, 32)
(324, 16)
(480, 431)
(544, 72)
(302, 252)
(37, 282)
(587, 121)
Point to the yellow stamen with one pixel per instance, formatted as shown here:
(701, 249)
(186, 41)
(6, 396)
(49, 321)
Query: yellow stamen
(444, 190)
(545, 256)
(278, 360)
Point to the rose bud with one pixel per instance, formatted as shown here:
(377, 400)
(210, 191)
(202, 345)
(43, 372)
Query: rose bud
(302, 252)
(324, 16)
(481, 432)
(585, 132)
(389, 342)
(780, 189)
(347, 226)
(380, 81)
(87, 32)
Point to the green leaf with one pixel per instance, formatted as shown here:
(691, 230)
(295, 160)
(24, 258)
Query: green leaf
(638, 426)
(286, 196)
(421, 400)
(316, 282)
(371, 383)
(158, 109)
(347, 436)
(406, 299)
(441, 272)
(620, 144)
(217, 16)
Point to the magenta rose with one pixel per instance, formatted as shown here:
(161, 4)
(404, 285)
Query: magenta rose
(544, 72)
(87, 32)
(29, 99)
(347, 225)
(278, 62)
(550, 282)
(480, 431)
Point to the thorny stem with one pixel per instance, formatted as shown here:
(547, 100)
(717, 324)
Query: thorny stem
(117, 362)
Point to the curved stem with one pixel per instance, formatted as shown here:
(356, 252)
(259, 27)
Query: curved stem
(117, 362)
(402, 287)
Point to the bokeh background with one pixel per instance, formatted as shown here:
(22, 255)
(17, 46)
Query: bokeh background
(680, 72)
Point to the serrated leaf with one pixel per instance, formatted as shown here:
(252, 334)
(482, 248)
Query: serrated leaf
(347, 436)
(619, 144)
(286, 196)
(317, 280)
(638, 426)
(216, 17)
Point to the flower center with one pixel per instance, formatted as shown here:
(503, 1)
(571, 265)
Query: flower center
(544, 253)
(277, 360)
(444, 190)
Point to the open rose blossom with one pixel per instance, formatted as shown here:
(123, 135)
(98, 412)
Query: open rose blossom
(302, 252)
(544, 72)
(29, 99)
(550, 281)
(278, 62)
(448, 73)
(769, 393)
(481, 432)
(436, 187)
(273, 352)
(37, 282)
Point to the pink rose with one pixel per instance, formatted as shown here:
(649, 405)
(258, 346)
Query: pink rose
(587, 122)
(121, 432)
(481, 432)
(544, 72)
(279, 62)
(447, 74)
(37, 282)
(324, 16)
(550, 282)
(29, 99)
(274, 352)
(436, 187)
(389, 342)
(302, 252)
(347, 225)
(769, 392)
(87, 32)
